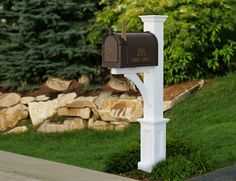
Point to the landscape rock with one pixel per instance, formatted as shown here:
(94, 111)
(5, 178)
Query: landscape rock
(40, 111)
(102, 95)
(9, 117)
(68, 125)
(80, 112)
(48, 127)
(75, 123)
(82, 102)
(128, 109)
(108, 102)
(120, 85)
(25, 108)
(58, 84)
(119, 126)
(95, 112)
(27, 100)
(99, 125)
(17, 130)
(64, 99)
(123, 96)
(106, 115)
(42, 98)
(9, 100)
(167, 105)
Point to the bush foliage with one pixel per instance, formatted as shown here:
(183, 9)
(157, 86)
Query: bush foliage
(41, 38)
(183, 161)
(198, 33)
(126, 160)
(176, 168)
(179, 167)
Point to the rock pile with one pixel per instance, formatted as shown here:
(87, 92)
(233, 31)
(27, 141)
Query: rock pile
(109, 110)
(102, 112)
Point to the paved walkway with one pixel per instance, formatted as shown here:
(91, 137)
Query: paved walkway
(225, 174)
(15, 167)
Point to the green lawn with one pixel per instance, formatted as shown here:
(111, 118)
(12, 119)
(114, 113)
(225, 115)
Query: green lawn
(84, 148)
(207, 117)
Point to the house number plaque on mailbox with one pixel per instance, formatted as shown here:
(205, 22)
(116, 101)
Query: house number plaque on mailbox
(121, 50)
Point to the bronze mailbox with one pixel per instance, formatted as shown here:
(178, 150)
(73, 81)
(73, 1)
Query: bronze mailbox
(129, 50)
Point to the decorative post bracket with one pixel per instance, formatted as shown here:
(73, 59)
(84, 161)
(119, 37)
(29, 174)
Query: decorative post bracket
(131, 74)
(153, 125)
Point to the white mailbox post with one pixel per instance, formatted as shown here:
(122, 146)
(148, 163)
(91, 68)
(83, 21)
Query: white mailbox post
(153, 125)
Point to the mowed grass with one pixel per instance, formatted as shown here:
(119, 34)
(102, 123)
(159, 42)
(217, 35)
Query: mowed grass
(85, 148)
(207, 117)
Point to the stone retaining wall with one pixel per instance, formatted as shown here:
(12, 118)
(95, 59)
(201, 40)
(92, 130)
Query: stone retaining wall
(106, 111)
(109, 110)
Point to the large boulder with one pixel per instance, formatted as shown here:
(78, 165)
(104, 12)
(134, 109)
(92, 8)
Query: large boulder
(58, 84)
(99, 125)
(104, 108)
(107, 103)
(118, 85)
(68, 125)
(17, 130)
(119, 126)
(126, 109)
(40, 111)
(9, 100)
(26, 100)
(64, 99)
(106, 115)
(103, 95)
(42, 98)
(9, 117)
(82, 102)
(78, 112)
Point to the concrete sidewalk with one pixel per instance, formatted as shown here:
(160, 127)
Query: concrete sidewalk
(14, 167)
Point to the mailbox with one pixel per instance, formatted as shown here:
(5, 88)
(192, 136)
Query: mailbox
(121, 50)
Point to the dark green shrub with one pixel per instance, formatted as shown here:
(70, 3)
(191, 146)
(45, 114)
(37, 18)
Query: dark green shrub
(181, 167)
(182, 161)
(175, 168)
(176, 146)
(127, 159)
(195, 33)
(200, 162)
(124, 161)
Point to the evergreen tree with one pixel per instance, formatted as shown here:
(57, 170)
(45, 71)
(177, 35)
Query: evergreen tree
(8, 34)
(50, 40)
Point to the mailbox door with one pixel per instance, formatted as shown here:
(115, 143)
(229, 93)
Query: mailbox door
(111, 52)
